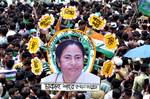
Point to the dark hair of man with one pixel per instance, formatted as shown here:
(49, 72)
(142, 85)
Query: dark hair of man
(12, 91)
(9, 84)
(137, 95)
(80, 96)
(12, 26)
(10, 64)
(137, 65)
(19, 75)
(3, 30)
(116, 93)
(25, 92)
(128, 92)
(115, 83)
(60, 48)
(144, 67)
(17, 97)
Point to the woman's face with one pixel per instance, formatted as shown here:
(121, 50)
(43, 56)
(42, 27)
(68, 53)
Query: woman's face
(71, 63)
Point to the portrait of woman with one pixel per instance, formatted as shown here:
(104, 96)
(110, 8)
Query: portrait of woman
(70, 59)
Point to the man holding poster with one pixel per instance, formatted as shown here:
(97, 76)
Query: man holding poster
(70, 59)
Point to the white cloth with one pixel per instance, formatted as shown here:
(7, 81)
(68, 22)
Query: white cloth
(23, 32)
(10, 33)
(146, 96)
(1, 90)
(3, 40)
(109, 95)
(83, 78)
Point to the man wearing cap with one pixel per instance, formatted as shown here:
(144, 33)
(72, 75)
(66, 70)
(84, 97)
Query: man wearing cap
(121, 73)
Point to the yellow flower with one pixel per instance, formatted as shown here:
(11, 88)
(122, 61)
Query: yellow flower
(108, 68)
(33, 45)
(111, 41)
(96, 22)
(46, 21)
(36, 66)
(69, 12)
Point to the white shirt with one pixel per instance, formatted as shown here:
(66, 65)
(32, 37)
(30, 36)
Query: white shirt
(3, 40)
(109, 95)
(10, 33)
(83, 78)
(146, 96)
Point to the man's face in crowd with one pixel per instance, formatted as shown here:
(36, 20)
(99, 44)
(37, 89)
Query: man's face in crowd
(7, 57)
(71, 63)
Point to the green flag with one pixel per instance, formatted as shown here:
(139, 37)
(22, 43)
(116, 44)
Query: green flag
(144, 7)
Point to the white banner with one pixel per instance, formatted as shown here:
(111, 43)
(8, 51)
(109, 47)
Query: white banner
(70, 87)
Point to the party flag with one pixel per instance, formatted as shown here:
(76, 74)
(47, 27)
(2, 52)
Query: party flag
(57, 27)
(99, 41)
(144, 7)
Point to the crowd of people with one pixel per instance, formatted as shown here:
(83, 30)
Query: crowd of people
(18, 23)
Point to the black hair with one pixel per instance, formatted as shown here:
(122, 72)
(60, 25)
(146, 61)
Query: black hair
(17, 97)
(125, 36)
(144, 34)
(3, 46)
(10, 38)
(25, 92)
(22, 25)
(136, 33)
(80, 96)
(82, 22)
(35, 88)
(19, 84)
(12, 26)
(128, 84)
(31, 76)
(74, 3)
(138, 95)
(41, 93)
(9, 84)
(116, 93)
(134, 25)
(12, 91)
(66, 43)
(115, 83)
(30, 26)
(144, 67)
(128, 92)
(26, 15)
(8, 50)
(20, 75)
(45, 97)
(3, 30)
(27, 62)
(145, 83)
(26, 54)
(137, 65)
(10, 64)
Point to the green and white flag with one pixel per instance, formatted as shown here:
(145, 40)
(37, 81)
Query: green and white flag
(144, 7)
(101, 47)
(9, 74)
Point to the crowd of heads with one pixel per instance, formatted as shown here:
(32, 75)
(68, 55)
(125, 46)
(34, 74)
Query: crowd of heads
(18, 23)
